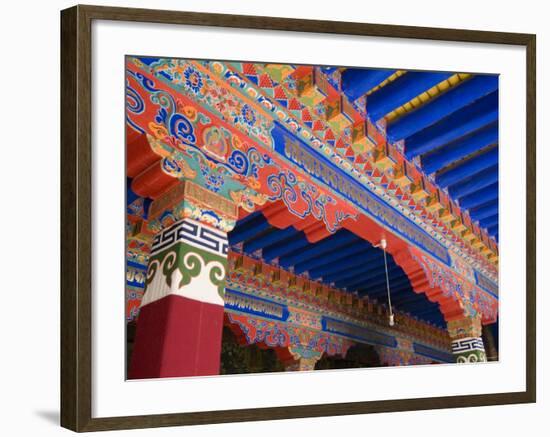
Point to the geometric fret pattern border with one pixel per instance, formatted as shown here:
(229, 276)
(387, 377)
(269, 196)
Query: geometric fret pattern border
(467, 344)
(193, 232)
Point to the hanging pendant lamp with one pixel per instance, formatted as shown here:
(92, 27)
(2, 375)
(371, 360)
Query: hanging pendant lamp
(382, 245)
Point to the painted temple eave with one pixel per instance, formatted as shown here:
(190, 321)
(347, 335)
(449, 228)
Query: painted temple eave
(165, 150)
(386, 161)
(380, 182)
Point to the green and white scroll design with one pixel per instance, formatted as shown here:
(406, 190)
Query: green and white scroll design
(187, 259)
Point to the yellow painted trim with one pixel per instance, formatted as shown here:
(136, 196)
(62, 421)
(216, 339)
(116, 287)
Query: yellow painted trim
(390, 79)
(428, 95)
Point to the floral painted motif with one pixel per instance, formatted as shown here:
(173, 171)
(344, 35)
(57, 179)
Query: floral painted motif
(221, 159)
(193, 80)
(196, 84)
(248, 115)
(397, 357)
(275, 334)
(473, 299)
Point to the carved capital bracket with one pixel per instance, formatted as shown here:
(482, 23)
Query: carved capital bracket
(187, 200)
(467, 344)
(464, 327)
(304, 359)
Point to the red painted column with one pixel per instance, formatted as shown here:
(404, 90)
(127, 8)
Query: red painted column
(179, 327)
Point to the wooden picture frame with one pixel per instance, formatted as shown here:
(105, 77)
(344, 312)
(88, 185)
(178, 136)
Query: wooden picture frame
(76, 222)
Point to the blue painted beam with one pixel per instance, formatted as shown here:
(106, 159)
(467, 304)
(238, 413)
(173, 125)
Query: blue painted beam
(406, 298)
(432, 315)
(484, 211)
(426, 310)
(244, 221)
(349, 270)
(264, 240)
(408, 307)
(397, 292)
(461, 123)
(467, 168)
(374, 282)
(411, 297)
(381, 293)
(356, 249)
(397, 285)
(460, 149)
(400, 91)
(379, 287)
(341, 238)
(397, 278)
(474, 183)
(424, 304)
(438, 321)
(338, 265)
(480, 197)
(370, 277)
(493, 230)
(422, 310)
(250, 230)
(489, 221)
(447, 103)
(290, 245)
(358, 81)
(382, 296)
(363, 266)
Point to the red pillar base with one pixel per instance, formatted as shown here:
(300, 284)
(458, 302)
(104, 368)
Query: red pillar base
(177, 336)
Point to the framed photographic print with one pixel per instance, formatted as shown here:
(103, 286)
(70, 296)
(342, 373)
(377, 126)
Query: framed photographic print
(267, 218)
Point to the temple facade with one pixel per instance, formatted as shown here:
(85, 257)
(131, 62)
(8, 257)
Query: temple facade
(287, 217)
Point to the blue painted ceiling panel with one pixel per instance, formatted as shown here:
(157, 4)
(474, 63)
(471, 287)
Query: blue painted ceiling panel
(484, 211)
(338, 260)
(329, 244)
(359, 81)
(480, 197)
(474, 183)
(444, 105)
(332, 259)
(400, 91)
(489, 221)
(453, 136)
(467, 167)
(463, 122)
(460, 149)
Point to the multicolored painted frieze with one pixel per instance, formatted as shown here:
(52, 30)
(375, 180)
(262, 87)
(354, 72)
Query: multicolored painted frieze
(306, 307)
(396, 357)
(432, 353)
(302, 340)
(297, 116)
(356, 332)
(194, 70)
(276, 206)
(243, 174)
(260, 318)
(486, 284)
(241, 302)
(328, 173)
(474, 300)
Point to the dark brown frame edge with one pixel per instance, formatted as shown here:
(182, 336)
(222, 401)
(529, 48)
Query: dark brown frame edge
(76, 225)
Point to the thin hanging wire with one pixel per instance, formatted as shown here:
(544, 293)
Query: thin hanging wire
(388, 285)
